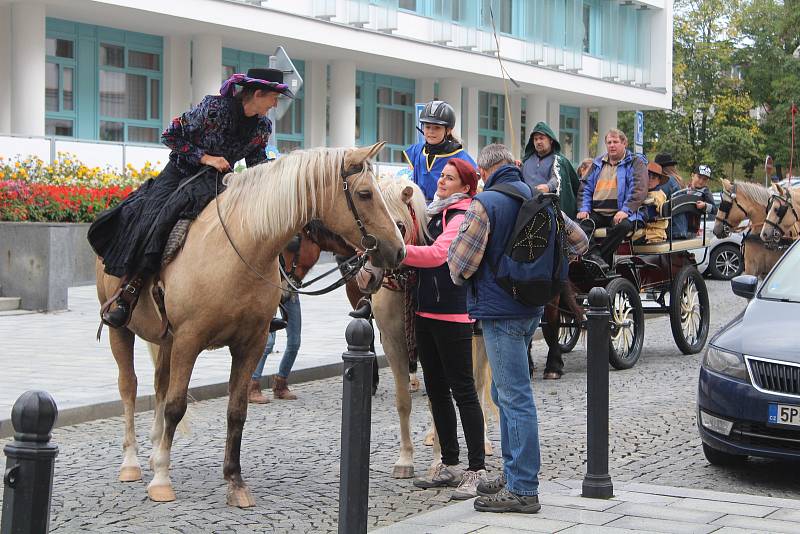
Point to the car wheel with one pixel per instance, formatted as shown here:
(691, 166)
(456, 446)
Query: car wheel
(726, 262)
(716, 457)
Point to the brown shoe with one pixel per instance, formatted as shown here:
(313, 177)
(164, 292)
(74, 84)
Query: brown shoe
(254, 395)
(280, 389)
(551, 375)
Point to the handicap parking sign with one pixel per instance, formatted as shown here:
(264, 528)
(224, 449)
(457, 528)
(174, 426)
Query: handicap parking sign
(638, 138)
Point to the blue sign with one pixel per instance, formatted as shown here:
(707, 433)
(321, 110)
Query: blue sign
(420, 108)
(638, 138)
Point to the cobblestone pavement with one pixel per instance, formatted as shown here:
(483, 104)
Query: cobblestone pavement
(291, 460)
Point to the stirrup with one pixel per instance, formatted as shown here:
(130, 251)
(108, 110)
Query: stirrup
(363, 311)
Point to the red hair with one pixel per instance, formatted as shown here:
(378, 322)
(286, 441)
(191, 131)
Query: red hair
(467, 174)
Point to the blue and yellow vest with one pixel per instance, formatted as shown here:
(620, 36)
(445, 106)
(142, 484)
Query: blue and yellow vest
(427, 177)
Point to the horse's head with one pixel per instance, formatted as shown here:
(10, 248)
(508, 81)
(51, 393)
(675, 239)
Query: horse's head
(359, 213)
(782, 217)
(406, 203)
(299, 256)
(739, 201)
(723, 221)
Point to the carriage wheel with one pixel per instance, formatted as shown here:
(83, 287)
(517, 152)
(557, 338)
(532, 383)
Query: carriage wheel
(627, 324)
(569, 332)
(688, 310)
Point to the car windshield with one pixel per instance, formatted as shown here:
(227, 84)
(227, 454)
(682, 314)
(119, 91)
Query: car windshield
(783, 283)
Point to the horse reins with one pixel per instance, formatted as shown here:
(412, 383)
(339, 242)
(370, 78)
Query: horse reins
(368, 242)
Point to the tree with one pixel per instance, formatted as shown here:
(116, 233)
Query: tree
(732, 144)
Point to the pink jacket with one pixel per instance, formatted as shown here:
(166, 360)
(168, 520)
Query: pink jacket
(436, 254)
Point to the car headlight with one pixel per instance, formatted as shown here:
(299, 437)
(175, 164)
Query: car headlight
(725, 363)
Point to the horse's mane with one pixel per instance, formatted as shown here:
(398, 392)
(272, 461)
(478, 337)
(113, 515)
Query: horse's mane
(267, 200)
(755, 192)
(392, 190)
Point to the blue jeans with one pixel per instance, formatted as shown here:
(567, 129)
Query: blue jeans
(507, 349)
(294, 321)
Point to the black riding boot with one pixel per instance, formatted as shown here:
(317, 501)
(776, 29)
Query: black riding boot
(125, 303)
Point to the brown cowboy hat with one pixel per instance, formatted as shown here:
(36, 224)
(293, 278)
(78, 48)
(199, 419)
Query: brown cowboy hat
(655, 168)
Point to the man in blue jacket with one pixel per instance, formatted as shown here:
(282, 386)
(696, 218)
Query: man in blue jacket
(508, 327)
(615, 188)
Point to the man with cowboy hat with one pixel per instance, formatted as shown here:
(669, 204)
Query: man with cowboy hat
(205, 142)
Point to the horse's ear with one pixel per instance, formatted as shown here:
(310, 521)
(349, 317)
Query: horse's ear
(780, 190)
(408, 194)
(726, 184)
(359, 155)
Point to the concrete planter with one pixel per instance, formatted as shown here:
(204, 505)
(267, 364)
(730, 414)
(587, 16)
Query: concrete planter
(39, 261)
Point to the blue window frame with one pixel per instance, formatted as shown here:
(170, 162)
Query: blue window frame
(491, 118)
(592, 27)
(103, 83)
(569, 136)
(385, 112)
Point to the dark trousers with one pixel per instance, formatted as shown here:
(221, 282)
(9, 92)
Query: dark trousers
(445, 352)
(615, 234)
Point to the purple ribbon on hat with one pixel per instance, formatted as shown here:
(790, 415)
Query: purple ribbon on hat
(228, 87)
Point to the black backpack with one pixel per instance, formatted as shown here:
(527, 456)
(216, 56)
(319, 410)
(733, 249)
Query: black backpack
(533, 267)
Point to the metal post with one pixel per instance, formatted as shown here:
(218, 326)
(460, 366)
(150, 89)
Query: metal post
(28, 479)
(597, 482)
(356, 425)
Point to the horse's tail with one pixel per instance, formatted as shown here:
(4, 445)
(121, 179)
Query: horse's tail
(184, 427)
(483, 378)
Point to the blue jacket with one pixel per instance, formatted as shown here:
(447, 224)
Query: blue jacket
(486, 299)
(428, 177)
(631, 185)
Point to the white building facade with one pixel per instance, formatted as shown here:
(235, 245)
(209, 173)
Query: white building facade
(113, 73)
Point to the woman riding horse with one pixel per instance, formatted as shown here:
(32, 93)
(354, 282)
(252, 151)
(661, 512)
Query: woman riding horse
(217, 133)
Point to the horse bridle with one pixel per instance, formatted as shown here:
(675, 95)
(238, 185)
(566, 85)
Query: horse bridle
(785, 204)
(348, 269)
(725, 206)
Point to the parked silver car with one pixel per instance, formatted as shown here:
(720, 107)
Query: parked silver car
(723, 260)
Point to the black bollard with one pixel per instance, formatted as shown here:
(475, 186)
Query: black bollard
(30, 461)
(597, 482)
(356, 426)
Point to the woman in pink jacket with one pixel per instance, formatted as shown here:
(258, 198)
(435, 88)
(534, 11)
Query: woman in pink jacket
(444, 335)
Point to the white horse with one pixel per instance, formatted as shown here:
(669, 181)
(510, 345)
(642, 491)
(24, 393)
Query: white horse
(406, 204)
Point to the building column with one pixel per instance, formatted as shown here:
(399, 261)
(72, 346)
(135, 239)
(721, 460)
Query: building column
(315, 89)
(470, 121)
(423, 89)
(512, 127)
(177, 77)
(343, 109)
(606, 120)
(5, 69)
(206, 66)
(450, 89)
(535, 111)
(554, 116)
(28, 68)
(583, 149)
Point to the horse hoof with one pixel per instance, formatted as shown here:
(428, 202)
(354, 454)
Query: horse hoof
(131, 473)
(413, 385)
(161, 493)
(403, 471)
(488, 449)
(240, 497)
(428, 440)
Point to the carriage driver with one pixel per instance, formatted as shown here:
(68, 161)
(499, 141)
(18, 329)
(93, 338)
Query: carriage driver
(205, 141)
(616, 186)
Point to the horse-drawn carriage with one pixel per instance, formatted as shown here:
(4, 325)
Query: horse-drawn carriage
(653, 278)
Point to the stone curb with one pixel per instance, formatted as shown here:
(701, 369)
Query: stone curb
(144, 403)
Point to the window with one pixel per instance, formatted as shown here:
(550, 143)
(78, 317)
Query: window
(587, 27)
(569, 132)
(502, 11)
(491, 118)
(59, 87)
(410, 5)
(385, 112)
(129, 86)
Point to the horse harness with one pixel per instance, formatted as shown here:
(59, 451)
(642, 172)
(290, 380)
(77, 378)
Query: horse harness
(725, 206)
(785, 204)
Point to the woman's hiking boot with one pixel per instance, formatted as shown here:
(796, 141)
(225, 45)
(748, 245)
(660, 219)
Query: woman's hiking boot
(443, 476)
(280, 389)
(490, 487)
(254, 395)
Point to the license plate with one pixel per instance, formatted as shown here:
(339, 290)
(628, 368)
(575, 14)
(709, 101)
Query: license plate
(784, 414)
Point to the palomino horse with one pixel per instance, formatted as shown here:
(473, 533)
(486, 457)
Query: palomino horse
(783, 221)
(223, 288)
(740, 201)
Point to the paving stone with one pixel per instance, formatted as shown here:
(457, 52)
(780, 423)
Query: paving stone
(597, 505)
(759, 524)
(524, 522)
(662, 512)
(661, 525)
(728, 508)
(643, 498)
(571, 515)
(784, 514)
(595, 529)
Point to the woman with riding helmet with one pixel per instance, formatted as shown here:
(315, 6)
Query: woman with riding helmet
(444, 335)
(205, 142)
(428, 159)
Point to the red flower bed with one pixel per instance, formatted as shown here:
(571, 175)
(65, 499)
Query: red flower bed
(25, 201)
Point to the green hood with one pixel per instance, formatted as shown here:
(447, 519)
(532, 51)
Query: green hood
(541, 128)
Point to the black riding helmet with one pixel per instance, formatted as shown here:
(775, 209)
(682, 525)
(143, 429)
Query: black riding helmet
(438, 112)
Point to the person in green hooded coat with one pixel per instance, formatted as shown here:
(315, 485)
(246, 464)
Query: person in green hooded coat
(543, 165)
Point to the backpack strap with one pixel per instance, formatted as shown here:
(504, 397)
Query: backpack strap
(508, 189)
